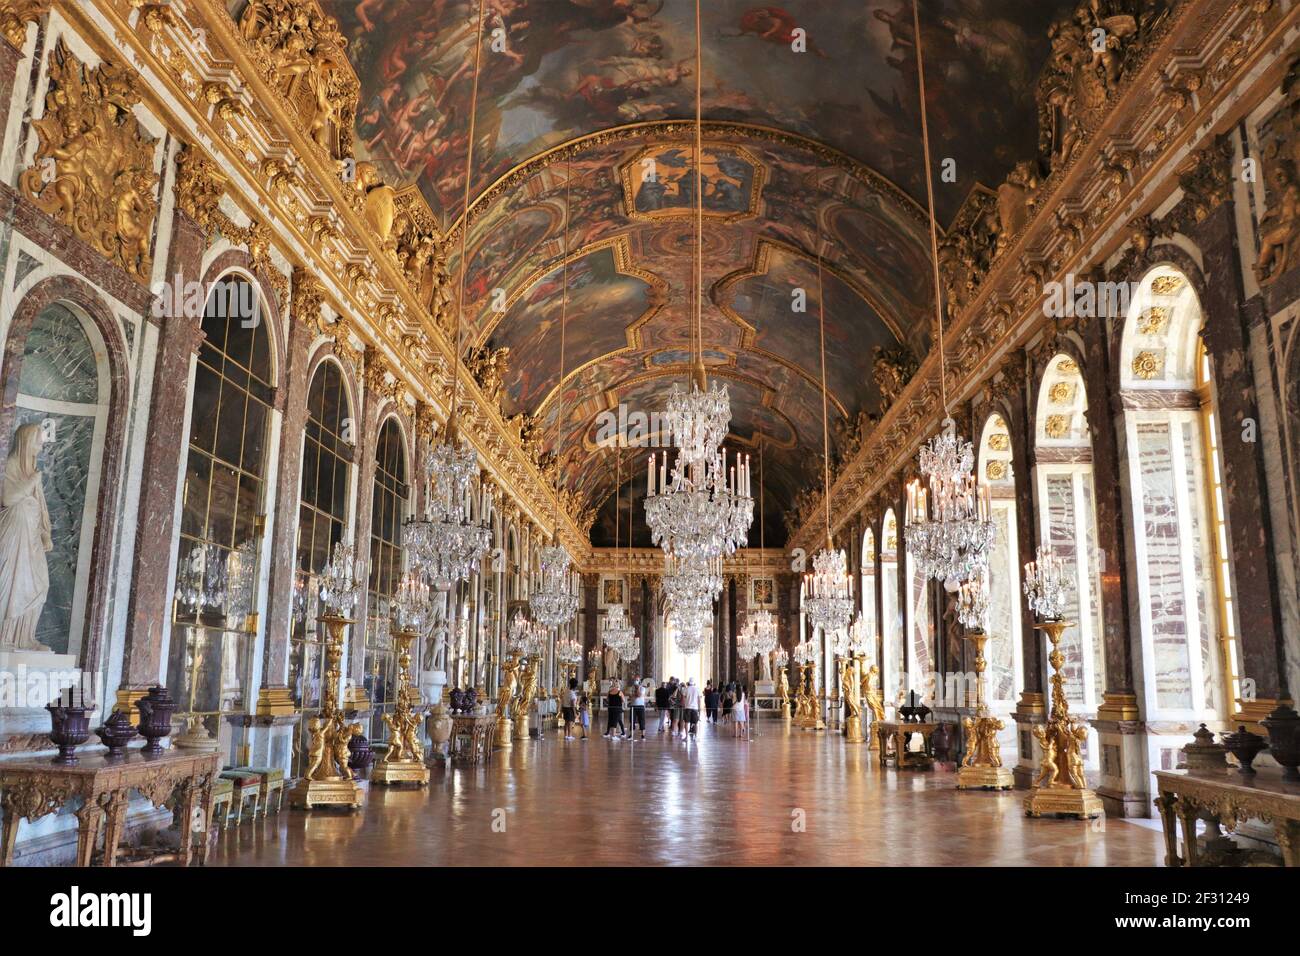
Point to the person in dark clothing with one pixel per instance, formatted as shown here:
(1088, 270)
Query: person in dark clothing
(614, 707)
(711, 703)
(662, 696)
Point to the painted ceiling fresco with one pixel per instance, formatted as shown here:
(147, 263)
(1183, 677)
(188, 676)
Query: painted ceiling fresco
(562, 68)
(806, 153)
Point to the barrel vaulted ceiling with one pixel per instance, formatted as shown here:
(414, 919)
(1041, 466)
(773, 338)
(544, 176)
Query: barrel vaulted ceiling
(802, 151)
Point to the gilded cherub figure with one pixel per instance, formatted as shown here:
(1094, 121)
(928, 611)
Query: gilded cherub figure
(1047, 768)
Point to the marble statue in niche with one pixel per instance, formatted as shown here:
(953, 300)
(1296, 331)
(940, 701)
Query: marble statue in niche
(24, 541)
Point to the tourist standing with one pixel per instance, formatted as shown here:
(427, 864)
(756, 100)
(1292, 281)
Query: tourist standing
(570, 709)
(584, 713)
(614, 708)
(662, 696)
(691, 705)
(711, 702)
(638, 708)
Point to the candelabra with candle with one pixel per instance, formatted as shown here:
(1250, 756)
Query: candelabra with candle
(326, 780)
(982, 767)
(403, 762)
(1060, 788)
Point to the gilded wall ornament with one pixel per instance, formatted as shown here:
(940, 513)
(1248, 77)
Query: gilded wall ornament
(1166, 285)
(1147, 365)
(1153, 321)
(1067, 366)
(199, 187)
(891, 370)
(995, 469)
(93, 168)
(1061, 393)
(16, 14)
(1057, 426)
(1000, 441)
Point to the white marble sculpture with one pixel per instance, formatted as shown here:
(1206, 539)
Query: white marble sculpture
(24, 541)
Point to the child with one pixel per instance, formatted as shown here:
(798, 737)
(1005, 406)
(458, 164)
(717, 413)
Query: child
(740, 713)
(584, 715)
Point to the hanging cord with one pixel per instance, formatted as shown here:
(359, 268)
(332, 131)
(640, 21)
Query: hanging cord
(826, 439)
(564, 315)
(929, 194)
(464, 227)
(698, 370)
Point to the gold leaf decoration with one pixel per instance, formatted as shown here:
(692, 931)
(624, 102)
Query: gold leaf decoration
(1000, 441)
(1147, 365)
(1153, 321)
(1057, 426)
(995, 469)
(93, 169)
(1061, 393)
(1067, 366)
(1166, 285)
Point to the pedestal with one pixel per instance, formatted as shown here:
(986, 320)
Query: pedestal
(985, 778)
(765, 688)
(400, 771)
(853, 731)
(504, 733)
(1030, 712)
(521, 727)
(1064, 801)
(1123, 759)
(309, 794)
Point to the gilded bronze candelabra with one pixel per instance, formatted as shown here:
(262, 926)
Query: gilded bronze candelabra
(327, 780)
(404, 760)
(1056, 792)
(982, 769)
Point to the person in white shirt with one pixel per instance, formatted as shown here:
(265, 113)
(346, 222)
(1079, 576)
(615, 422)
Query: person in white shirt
(691, 704)
(638, 707)
(570, 710)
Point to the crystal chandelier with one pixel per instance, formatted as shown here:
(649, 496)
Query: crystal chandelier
(692, 627)
(856, 641)
(1046, 585)
(692, 583)
(340, 580)
(973, 602)
(697, 420)
(805, 652)
(555, 602)
(949, 529)
(568, 652)
(449, 541)
(781, 657)
(702, 508)
(525, 637)
(828, 591)
(762, 632)
(617, 632)
(411, 607)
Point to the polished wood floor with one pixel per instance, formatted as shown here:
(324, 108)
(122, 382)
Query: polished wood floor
(714, 801)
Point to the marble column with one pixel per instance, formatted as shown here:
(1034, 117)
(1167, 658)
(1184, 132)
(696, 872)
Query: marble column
(636, 615)
(590, 637)
(1245, 488)
(149, 610)
(1031, 709)
(722, 663)
(1121, 733)
(355, 696)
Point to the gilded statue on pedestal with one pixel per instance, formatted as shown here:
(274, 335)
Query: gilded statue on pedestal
(849, 685)
(506, 692)
(871, 692)
(783, 688)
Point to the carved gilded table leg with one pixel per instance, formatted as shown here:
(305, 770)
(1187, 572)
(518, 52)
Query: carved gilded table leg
(1186, 811)
(114, 805)
(1288, 840)
(1165, 804)
(8, 836)
(89, 819)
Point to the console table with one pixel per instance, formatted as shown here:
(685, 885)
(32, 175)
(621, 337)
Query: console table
(471, 737)
(894, 736)
(34, 788)
(1224, 798)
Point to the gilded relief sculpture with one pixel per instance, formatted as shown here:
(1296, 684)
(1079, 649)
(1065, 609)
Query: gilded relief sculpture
(94, 167)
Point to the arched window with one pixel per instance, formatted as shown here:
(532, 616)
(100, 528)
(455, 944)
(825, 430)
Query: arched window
(1004, 651)
(388, 510)
(1067, 522)
(223, 515)
(61, 417)
(895, 660)
(327, 456)
(1174, 480)
(869, 626)
(921, 633)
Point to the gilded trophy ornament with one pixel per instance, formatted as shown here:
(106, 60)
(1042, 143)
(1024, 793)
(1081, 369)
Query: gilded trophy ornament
(93, 169)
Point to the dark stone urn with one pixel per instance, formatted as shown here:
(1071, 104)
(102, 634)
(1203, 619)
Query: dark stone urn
(1283, 726)
(457, 698)
(155, 718)
(116, 733)
(1245, 746)
(360, 756)
(70, 727)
